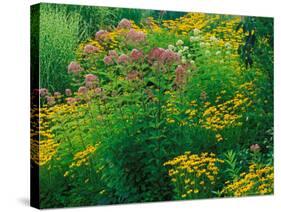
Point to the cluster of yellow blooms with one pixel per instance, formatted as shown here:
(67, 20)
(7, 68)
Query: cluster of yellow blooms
(59, 111)
(192, 174)
(214, 117)
(45, 148)
(170, 107)
(43, 144)
(259, 180)
(225, 114)
(185, 24)
(82, 157)
(192, 113)
(213, 26)
(72, 119)
(151, 25)
(227, 33)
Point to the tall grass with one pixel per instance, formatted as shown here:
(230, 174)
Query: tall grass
(59, 34)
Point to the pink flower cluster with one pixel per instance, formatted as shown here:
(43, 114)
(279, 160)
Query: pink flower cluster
(98, 90)
(88, 49)
(113, 54)
(74, 68)
(169, 56)
(50, 100)
(91, 78)
(43, 92)
(82, 91)
(91, 81)
(72, 100)
(155, 54)
(108, 60)
(181, 76)
(255, 148)
(136, 54)
(57, 95)
(163, 56)
(133, 75)
(68, 92)
(123, 59)
(101, 35)
(124, 24)
(113, 57)
(135, 37)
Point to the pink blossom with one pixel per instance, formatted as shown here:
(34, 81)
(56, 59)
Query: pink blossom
(68, 92)
(255, 148)
(88, 49)
(57, 94)
(113, 54)
(169, 56)
(82, 90)
(91, 77)
(124, 24)
(71, 100)
(43, 92)
(101, 35)
(133, 75)
(155, 54)
(181, 75)
(98, 90)
(74, 67)
(136, 54)
(123, 59)
(50, 100)
(108, 60)
(135, 37)
(89, 84)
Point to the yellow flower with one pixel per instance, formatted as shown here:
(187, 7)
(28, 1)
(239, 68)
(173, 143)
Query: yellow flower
(219, 137)
(66, 173)
(170, 120)
(256, 181)
(193, 171)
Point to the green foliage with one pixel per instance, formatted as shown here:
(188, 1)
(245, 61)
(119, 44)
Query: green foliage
(136, 144)
(258, 46)
(233, 170)
(195, 104)
(58, 40)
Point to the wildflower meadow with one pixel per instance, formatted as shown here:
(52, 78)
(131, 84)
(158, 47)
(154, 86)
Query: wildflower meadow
(143, 106)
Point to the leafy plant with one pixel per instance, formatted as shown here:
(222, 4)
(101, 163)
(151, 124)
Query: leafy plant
(233, 168)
